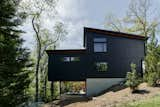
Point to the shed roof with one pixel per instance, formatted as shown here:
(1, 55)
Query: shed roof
(105, 32)
(115, 33)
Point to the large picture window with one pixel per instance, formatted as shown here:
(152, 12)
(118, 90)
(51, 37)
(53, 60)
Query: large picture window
(101, 66)
(100, 45)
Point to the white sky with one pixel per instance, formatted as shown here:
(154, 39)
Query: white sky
(79, 13)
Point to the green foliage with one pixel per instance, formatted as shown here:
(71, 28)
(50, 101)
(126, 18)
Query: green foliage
(152, 62)
(56, 90)
(138, 19)
(47, 96)
(72, 87)
(66, 87)
(151, 102)
(152, 78)
(102, 66)
(14, 60)
(132, 78)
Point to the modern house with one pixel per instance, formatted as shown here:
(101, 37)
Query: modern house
(103, 62)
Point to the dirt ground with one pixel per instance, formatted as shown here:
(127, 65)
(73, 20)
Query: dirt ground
(114, 97)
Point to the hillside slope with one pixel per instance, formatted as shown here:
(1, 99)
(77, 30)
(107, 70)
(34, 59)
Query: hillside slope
(113, 98)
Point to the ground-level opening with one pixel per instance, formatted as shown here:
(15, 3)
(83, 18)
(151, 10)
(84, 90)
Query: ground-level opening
(69, 92)
(73, 87)
(68, 88)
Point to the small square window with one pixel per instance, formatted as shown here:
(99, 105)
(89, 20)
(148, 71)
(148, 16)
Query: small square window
(102, 66)
(70, 59)
(100, 45)
(75, 59)
(66, 59)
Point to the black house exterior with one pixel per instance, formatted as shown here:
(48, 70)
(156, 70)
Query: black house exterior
(106, 54)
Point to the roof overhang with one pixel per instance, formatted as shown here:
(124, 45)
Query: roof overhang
(66, 51)
(113, 33)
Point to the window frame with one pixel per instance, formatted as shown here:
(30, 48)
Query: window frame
(74, 59)
(65, 59)
(99, 66)
(102, 42)
(70, 59)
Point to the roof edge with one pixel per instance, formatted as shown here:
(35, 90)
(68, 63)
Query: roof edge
(66, 51)
(116, 33)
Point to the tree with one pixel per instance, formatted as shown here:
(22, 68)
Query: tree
(45, 38)
(45, 41)
(152, 61)
(49, 41)
(132, 78)
(138, 20)
(14, 59)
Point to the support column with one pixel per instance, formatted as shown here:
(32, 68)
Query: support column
(52, 90)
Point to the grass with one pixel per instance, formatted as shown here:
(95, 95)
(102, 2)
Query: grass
(152, 102)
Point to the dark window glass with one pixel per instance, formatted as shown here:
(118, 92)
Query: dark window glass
(70, 59)
(66, 59)
(100, 45)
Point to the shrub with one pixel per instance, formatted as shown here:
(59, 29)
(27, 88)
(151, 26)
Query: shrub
(152, 79)
(132, 78)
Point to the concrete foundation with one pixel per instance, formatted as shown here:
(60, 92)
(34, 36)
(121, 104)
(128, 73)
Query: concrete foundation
(97, 85)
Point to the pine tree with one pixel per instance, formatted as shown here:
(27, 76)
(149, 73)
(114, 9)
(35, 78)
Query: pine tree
(14, 59)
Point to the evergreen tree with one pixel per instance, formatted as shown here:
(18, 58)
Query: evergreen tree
(14, 61)
(132, 78)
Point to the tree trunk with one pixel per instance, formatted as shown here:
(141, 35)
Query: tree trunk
(38, 57)
(37, 79)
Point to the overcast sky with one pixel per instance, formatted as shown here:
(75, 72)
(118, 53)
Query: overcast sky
(79, 13)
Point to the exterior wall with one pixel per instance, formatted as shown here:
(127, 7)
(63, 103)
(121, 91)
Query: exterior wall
(121, 52)
(97, 85)
(68, 71)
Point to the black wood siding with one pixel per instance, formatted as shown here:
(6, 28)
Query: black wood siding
(120, 53)
(68, 71)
